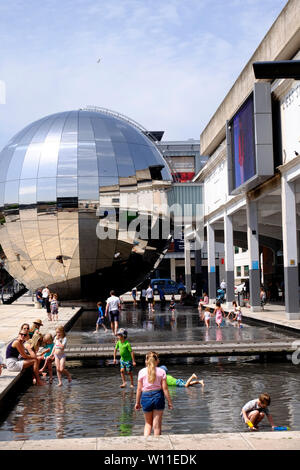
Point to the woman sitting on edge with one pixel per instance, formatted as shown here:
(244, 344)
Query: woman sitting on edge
(14, 350)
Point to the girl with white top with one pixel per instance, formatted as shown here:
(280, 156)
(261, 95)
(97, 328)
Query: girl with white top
(58, 352)
(207, 316)
(151, 392)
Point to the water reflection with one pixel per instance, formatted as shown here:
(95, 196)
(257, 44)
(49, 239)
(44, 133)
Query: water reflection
(88, 407)
(180, 325)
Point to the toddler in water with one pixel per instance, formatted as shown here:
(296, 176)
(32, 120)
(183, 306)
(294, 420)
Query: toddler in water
(219, 312)
(238, 316)
(58, 352)
(255, 410)
(100, 320)
(207, 316)
(233, 311)
(127, 361)
(172, 382)
(48, 341)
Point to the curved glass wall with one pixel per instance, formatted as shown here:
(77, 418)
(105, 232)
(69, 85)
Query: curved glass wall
(80, 192)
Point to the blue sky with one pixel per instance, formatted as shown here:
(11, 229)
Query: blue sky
(164, 63)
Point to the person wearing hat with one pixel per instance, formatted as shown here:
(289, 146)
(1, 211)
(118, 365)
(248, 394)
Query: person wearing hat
(172, 382)
(127, 361)
(35, 327)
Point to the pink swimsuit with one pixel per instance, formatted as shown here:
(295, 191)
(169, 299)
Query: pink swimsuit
(219, 316)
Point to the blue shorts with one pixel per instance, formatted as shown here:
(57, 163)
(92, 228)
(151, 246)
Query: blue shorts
(127, 365)
(100, 321)
(180, 383)
(154, 400)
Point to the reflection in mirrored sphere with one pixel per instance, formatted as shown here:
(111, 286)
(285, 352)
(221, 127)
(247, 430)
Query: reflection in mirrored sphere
(82, 194)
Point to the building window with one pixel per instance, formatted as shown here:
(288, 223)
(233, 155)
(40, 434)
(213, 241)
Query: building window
(244, 250)
(236, 249)
(246, 270)
(238, 271)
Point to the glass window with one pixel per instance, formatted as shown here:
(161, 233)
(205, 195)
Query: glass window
(238, 271)
(236, 249)
(100, 129)
(12, 192)
(113, 131)
(5, 158)
(107, 164)
(46, 189)
(27, 192)
(31, 161)
(1, 195)
(67, 159)
(16, 163)
(246, 270)
(67, 187)
(87, 159)
(50, 149)
(88, 188)
(67, 156)
(124, 160)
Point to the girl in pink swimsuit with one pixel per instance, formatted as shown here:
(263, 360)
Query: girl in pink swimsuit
(219, 312)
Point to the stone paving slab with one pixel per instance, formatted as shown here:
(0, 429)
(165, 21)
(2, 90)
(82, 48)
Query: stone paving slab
(224, 441)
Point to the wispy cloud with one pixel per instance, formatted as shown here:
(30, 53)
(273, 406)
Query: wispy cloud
(167, 64)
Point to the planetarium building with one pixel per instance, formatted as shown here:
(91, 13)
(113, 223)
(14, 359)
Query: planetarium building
(82, 194)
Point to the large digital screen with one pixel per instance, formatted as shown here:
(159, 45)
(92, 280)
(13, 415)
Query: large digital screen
(242, 144)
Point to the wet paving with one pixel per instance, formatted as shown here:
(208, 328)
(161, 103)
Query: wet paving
(93, 405)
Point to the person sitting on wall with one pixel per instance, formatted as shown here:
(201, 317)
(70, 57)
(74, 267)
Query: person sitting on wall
(17, 359)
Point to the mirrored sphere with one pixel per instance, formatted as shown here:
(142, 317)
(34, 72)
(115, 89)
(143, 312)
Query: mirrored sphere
(82, 194)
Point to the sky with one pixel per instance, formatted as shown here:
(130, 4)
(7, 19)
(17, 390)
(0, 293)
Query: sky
(166, 64)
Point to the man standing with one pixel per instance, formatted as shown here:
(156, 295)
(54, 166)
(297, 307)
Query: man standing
(113, 306)
(45, 295)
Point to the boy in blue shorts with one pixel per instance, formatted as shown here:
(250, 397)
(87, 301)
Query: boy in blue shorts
(172, 382)
(100, 319)
(127, 361)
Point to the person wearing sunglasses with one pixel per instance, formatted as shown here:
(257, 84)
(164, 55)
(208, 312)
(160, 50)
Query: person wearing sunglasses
(17, 359)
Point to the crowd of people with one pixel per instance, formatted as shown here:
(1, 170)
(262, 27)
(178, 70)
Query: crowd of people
(49, 301)
(32, 349)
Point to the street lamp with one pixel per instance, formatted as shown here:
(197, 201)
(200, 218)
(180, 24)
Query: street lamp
(277, 69)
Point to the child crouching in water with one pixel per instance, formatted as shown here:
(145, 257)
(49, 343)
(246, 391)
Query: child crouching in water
(255, 410)
(151, 393)
(172, 382)
(58, 352)
(127, 361)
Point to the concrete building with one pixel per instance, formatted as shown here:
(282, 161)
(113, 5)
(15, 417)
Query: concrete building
(252, 178)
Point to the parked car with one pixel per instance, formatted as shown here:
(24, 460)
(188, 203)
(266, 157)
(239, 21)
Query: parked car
(168, 286)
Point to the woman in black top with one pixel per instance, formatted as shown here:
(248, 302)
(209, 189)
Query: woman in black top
(14, 350)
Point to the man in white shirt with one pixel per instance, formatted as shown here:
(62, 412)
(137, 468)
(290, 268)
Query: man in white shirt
(113, 306)
(149, 297)
(45, 295)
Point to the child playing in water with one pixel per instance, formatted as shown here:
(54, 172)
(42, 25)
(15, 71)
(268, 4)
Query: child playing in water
(58, 352)
(172, 305)
(255, 410)
(218, 312)
(127, 361)
(172, 382)
(207, 316)
(100, 320)
(233, 311)
(49, 344)
(238, 316)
